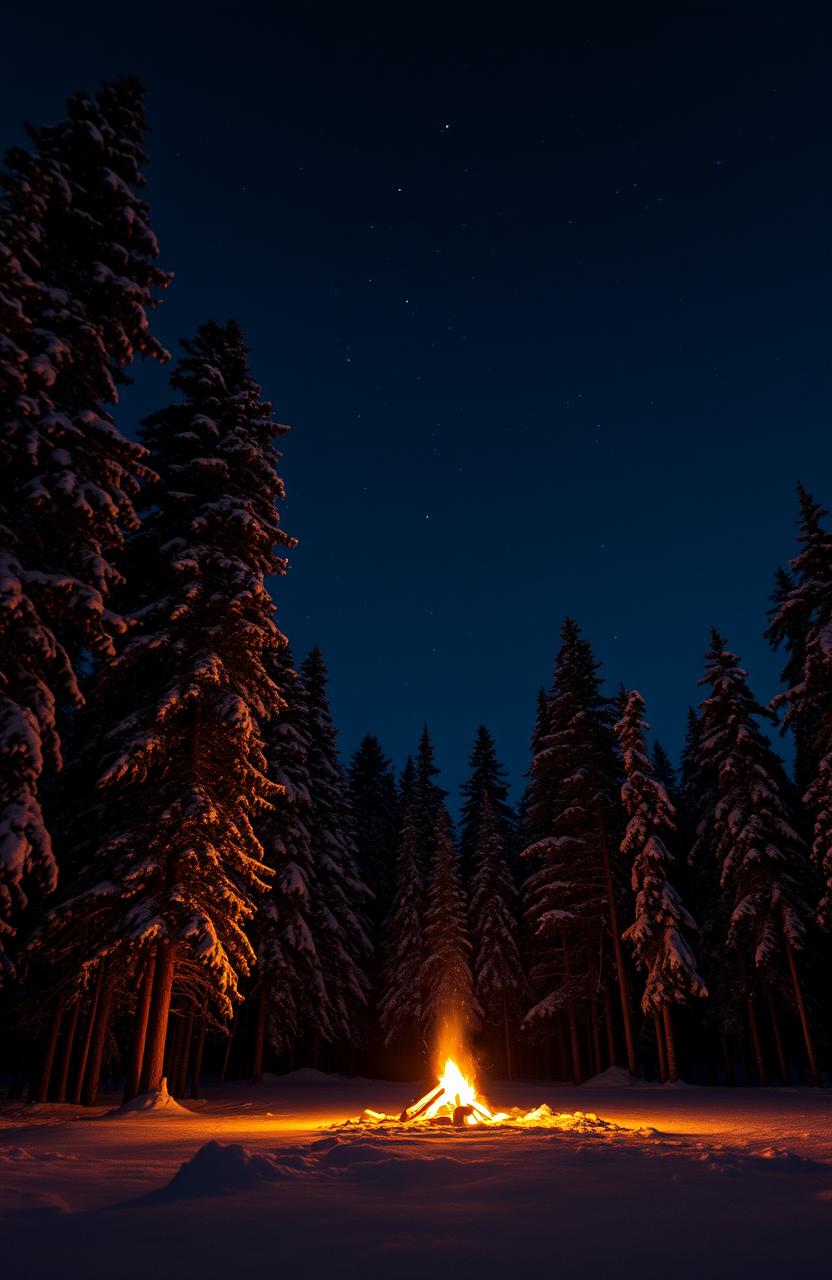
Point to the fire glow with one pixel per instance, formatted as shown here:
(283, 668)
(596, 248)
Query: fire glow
(455, 1102)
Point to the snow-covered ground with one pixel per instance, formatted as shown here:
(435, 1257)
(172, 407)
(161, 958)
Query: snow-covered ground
(255, 1181)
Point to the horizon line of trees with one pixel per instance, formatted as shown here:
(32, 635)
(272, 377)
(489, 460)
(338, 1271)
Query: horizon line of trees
(190, 880)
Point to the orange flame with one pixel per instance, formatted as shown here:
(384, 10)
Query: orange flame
(455, 1100)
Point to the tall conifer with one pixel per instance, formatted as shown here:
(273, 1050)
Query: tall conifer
(340, 896)
(179, 868)
(77, 280)
(658, 933)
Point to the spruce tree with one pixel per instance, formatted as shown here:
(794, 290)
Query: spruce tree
(400, 1004)
(570, 897)
(658, 933)
(665, 772)
(802, 624)
(340, 897)
(497, 967)
(77, 275)
(289, 981)
(374, 802)
(537, 804)
(449, 1008)
(486, 775)
(762, 863)
(179, 868)
(429, 796)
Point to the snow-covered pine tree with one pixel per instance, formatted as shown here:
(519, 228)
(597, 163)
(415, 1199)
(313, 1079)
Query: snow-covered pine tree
(450, 1010)
(179, 867)
(77, 275)
(486, 775)
(289, 985)
(762, 860)
(536, 806)
(665, 772)
(658, 933)
(497, 967)
(340, 897)
(429, 796)
(400, 1004)
(787, 630)
(374, 802)
(570, 899)
(802, 623)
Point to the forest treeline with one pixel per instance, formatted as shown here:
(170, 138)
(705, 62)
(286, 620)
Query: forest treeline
(192, 883)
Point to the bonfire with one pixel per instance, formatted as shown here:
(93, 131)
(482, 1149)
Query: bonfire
(455, 1101)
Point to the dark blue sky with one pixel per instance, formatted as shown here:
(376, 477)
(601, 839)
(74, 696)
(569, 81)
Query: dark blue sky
(547, 309)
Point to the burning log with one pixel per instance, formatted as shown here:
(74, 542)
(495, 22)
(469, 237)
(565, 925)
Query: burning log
(454, 1101)
(419, 1108)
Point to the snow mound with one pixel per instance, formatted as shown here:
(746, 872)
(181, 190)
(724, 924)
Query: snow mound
(157, 1103)
(216, 1169)
(612, 1078)
(10, 1155)
(19, 1201)
(306, 1075)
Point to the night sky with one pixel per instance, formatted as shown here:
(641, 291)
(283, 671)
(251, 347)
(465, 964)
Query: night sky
(547, 309)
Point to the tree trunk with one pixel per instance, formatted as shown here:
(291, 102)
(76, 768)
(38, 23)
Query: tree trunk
(41, 1092)
(154, 1054)
(226, 1057)
(574, 1038)
(755, 1041)
(260, 1035)
(66, 1053)
(814, 1073)
(660, 1053)
(778, 1039)
(89, 1089)
(172, 1049)
(618, 951)
(595, 1035)
(185, 1055)
(200, 1049)
(507, 1042)
(564, 1066)
(134, 1071)
(670, 1045)
(610, 1026)
(87, 1040)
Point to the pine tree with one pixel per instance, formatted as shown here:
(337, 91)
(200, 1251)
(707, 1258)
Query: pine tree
(763, 869)
(498, 970)
(339, 895)
(375, 808)
(77, 274)
(450, 1010)
(570, 899)
(400, 1005)
(179, 870)
(658, 932)
(429, 796)
(289, 982)
(537, 805)
(487, 775)
(665, 772)
(802, 623)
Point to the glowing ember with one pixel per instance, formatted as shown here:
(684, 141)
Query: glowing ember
(456, 1101)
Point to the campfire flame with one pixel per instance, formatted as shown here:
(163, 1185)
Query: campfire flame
(455, 1100)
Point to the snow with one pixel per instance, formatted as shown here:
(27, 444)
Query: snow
(723, 1182)
(159, 1102)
